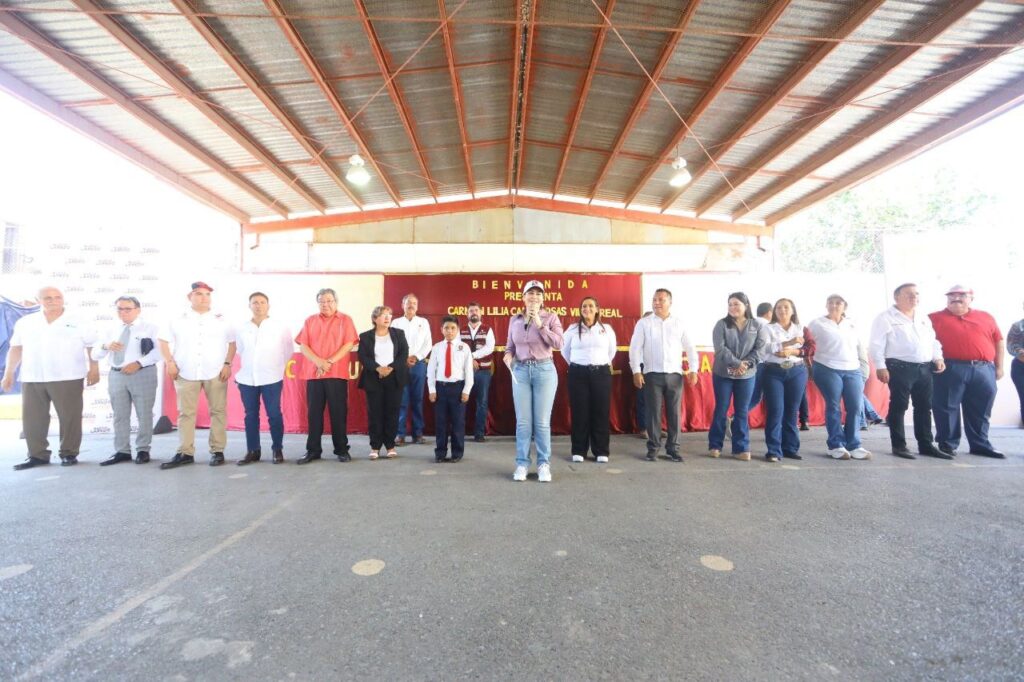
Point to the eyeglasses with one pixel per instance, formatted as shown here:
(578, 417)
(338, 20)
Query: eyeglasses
(125, 310)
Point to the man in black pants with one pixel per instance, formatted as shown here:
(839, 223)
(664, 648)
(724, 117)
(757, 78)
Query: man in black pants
(906, 354)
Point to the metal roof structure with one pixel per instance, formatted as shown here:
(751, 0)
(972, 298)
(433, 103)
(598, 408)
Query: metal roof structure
(255, 106)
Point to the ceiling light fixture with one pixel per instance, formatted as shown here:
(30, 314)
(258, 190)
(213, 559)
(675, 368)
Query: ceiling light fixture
(357, 173)
(682, 176)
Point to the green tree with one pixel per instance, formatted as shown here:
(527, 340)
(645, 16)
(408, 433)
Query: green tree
(845, 233)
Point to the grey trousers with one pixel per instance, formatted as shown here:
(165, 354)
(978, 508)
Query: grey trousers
(663, 389)
(126, 390)
(66, 397)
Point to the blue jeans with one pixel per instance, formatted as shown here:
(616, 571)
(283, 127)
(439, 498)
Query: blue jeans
(971, 387)
(759, 392)
(783, 391)
(868, 412)
(534, 395)
(848, 386)
(481, 386)
(736, 391)
(271, 394)
(413, 394)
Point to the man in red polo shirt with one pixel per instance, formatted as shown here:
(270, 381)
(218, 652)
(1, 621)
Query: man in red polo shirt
(326, 340)
(974, 349)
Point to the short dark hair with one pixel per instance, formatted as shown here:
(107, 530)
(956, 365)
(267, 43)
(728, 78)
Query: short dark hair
(449, 318)
(763, 308)
(896, 292)
(131, 299)
(258, 293)
(473, 303)
(663, 291)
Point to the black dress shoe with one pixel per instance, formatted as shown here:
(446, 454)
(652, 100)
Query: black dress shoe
(69, 461)
(987, 452)
(651, 457)
(456, 459)
(307, 458)
(30, 463)
(117, 458)
(948, 450)
(903, 452)
(675, 457)
(804, 426)
(791, 455)
(439, 460)
(344, 457)
(278, 457)
(216, 459)
(178, 460)
(480, 439)
(929, 450)
(142, 457)
(250, 457)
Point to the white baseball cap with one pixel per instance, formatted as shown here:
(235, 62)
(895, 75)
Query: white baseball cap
(533, 284)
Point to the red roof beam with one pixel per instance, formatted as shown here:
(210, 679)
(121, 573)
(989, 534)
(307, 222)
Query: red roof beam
(640, 105)
(396, 94)
(212, 113)
(62, 57)
(320, 78)
(1002, 100)
(956, 12)
(916, 98)
(581, 96)
(235, 64)
(457, 95)
(721, 80)
(524, 102)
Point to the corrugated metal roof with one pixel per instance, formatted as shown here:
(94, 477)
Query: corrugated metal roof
(790, 152)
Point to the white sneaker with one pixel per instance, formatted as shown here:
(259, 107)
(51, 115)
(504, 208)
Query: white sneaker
(373, 454)
(520, 474)
(860, 453)
(602, 459)
(577, 458)
(839, 453)
(544, 473)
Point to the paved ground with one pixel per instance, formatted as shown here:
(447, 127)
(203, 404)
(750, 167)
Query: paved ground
(833, 570)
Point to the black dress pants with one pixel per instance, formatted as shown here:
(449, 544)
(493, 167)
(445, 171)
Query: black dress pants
(382, 411)
(332, 393)
(590, 390)
(910, 381)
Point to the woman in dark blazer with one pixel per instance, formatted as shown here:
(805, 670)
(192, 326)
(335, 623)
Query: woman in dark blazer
(382, 354)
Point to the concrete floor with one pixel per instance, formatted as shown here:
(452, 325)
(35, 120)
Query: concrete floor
(885, 569)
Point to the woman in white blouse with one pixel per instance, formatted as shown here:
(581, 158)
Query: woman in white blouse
(838, 377)
(784, 381)
(589, 346)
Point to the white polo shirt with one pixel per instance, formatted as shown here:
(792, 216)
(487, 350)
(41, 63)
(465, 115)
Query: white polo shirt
(199, 343)
(659, 344)
(52, 351)
(265, 351)
(417, 334)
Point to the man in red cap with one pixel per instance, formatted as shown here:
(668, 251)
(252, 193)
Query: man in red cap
(203, 349)
(973, 347)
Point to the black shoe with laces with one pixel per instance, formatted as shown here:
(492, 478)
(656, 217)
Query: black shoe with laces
(178, 460)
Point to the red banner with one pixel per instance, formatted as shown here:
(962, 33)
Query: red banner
(500, 296)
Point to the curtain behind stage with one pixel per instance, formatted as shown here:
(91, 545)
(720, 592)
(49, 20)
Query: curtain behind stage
(11, 312)
(500, 297)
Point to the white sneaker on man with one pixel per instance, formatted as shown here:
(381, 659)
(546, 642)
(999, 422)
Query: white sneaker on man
(602, 459)
(860, 453)
(544, 473)
(520, 474)
(839, 453)
(577, 458)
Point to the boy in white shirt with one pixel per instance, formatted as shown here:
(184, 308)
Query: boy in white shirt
(449, 382)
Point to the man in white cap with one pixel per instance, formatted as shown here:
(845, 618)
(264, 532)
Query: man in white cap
(973, 347)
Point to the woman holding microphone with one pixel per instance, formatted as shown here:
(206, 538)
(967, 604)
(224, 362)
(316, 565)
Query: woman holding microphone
(589, 346)
(533, 335)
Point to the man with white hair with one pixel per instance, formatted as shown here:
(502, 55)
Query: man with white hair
(974, 348)
(52, 348)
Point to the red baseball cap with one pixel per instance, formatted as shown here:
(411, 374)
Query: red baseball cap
(201, 285)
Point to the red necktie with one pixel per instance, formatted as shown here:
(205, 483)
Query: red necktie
(448, 361)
